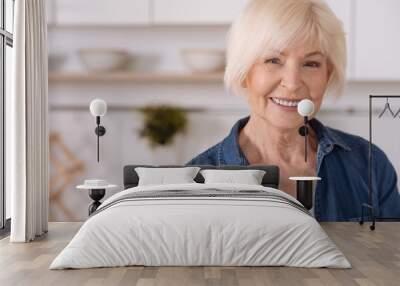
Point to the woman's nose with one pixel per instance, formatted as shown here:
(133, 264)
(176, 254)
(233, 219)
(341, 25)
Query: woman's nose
(291, 78)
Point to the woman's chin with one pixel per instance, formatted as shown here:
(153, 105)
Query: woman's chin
(288, 121)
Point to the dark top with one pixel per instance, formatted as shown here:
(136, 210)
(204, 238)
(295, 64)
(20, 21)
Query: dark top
(342, 163)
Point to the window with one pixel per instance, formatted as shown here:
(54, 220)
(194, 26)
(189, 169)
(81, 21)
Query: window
(6, 44)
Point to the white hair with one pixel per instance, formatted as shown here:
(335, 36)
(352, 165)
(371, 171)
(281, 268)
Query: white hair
(278, 24)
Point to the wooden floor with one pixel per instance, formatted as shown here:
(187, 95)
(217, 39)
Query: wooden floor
(375, 257)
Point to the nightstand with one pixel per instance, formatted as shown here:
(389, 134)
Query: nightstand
(97, 190)
(305, 188)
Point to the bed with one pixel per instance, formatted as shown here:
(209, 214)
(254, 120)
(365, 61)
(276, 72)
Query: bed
(201, 224)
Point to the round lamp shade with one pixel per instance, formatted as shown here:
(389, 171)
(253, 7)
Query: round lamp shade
(98, 107)
(305, 107)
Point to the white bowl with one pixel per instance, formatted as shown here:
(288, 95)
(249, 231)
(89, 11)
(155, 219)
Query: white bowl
(103, 60)
(204, 60)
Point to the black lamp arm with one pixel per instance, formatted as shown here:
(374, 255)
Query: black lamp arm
(305, 137)
(100, 131)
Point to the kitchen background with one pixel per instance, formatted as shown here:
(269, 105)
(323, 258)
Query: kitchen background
(166, 41)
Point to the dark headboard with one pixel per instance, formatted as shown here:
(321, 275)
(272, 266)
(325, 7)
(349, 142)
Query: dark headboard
(270, 179)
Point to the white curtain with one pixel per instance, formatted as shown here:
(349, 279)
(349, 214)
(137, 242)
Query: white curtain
(27, 144)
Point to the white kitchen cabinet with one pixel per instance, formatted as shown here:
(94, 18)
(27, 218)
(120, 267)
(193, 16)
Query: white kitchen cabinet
(343, 10)
(102, 12)
(377, 46)
(196, 12)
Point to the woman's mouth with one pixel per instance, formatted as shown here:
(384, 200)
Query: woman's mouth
(285, 103)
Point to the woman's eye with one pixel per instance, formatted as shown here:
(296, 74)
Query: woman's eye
(273, 61)
(313, 64)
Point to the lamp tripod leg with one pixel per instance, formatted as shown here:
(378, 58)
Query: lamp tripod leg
(372, 227)
(362, 215)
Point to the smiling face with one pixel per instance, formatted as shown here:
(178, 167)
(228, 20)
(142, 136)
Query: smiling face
(277, 82)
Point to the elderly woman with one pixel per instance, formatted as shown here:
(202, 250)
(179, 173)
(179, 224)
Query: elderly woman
(279, 53)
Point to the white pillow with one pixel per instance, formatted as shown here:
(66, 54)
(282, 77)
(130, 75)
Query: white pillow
(248, 177)
(162, 176)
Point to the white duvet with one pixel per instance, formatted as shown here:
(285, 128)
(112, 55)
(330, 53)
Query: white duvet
(200, 231)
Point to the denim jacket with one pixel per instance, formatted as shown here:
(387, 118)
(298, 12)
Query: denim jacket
(342, 163)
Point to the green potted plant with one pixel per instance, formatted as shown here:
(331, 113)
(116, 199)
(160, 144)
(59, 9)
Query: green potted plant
(162, 123)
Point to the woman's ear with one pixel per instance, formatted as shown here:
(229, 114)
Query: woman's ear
(330, 69)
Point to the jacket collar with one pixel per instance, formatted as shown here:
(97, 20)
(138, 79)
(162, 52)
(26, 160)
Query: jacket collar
(328, 137)
(230, 153)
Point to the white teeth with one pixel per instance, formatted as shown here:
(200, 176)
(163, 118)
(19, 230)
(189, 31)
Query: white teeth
(285, 102)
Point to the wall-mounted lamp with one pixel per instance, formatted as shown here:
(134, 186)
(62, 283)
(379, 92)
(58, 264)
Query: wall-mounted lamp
(305, 108)
(98, 108)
